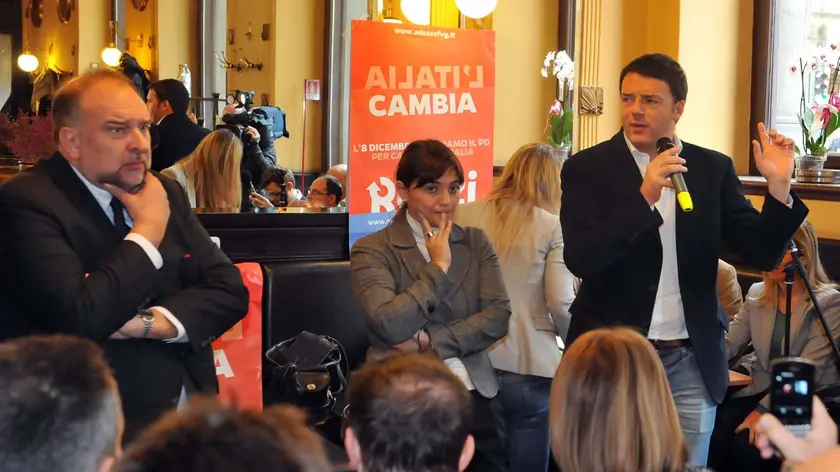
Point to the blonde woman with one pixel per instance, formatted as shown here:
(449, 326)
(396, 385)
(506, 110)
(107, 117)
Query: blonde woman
(761, 322)
(521, 219)
(210, 175)
(611, 407)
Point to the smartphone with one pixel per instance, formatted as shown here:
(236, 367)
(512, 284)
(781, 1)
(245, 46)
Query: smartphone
(791, 393)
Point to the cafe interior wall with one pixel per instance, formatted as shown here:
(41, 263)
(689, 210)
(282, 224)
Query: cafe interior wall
(63, 38)
(140, 26)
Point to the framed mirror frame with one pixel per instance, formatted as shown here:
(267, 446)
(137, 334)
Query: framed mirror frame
(35, 11)
(65, 10)
(139, 5)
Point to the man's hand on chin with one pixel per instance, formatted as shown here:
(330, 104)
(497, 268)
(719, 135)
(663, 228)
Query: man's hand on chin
(774, 157)
(134, 328)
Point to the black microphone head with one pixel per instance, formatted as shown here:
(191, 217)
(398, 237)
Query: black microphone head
(664, 144)
(246, 176)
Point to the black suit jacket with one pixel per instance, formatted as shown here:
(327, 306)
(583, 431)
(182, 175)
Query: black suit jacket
(173, 139)
(612, 242)
(65, 269)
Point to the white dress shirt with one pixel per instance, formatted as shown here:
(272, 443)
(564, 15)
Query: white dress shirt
(667, 321)
(455, 364)
(103, 197)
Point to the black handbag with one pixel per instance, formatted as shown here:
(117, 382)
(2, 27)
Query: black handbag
(308, 371)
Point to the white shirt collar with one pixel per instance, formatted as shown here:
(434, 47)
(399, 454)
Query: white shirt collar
(102, 196)
(635, 151)
(161, 120)
(416, 228)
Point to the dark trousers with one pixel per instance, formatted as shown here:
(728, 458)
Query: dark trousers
(731, 452)
(525, 402)
(488, 431)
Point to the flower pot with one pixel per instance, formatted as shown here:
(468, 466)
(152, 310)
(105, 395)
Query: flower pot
(809, 162)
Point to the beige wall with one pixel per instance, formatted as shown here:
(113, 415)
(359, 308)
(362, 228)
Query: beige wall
(716, 53)
(822, 214)
(712, 41)
(240, 14)
(94, 16)
(298, 55)
(525, 32)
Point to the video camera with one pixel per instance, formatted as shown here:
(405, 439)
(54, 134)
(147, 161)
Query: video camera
(237, 122)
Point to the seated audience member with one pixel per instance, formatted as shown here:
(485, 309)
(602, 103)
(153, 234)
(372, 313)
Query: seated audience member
(210, 174)
(410, 414)
(427, 284)
(59, 407)
(210, 437)
(521, 219)
(729, 290)
(279, 184)
(611, 407)
(339, 171)
(762, 322)
(324, 192)
(174, 134)
(816, 452)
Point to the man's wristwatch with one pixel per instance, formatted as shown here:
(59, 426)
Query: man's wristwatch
(148, 322)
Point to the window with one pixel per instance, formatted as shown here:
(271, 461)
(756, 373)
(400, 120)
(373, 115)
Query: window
(802, 34)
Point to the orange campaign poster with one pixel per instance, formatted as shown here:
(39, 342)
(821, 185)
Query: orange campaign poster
(416, 82)
(238, 352)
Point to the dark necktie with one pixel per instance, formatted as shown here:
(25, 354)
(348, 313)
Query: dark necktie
(119, 217)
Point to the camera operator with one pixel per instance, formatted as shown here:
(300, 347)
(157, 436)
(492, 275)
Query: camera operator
(279, 190)
(254, 161)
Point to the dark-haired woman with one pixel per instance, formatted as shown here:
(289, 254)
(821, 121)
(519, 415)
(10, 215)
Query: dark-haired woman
(425, 283)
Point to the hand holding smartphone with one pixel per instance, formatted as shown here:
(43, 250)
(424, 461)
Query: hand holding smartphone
(792, 392)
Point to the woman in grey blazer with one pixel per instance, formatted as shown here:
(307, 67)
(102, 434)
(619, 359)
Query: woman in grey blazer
(761, 322)
(521, 219)
(426, 284)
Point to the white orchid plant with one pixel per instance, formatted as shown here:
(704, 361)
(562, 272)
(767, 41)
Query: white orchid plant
(819, 121)
(560, 115)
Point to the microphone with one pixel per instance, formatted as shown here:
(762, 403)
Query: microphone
(246, 178)
(683, 197)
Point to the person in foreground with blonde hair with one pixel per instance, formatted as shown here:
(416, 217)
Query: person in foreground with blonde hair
(521, 219)
(611, 407)
(210, 174)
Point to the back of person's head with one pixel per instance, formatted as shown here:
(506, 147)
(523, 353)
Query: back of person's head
(278, 176)
(409, 413)
(339, 171)
(531, 178)
(611, 408)
(59, 406)
(210, 437)
(215, 163)
(334, 187)
(662, 67)
(174, 92)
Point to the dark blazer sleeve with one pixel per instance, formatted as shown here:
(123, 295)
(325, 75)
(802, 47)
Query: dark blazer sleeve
(484, 328)
(599, 226)
(393, 317)
(35, 253)
(759, 238)
(219, 300)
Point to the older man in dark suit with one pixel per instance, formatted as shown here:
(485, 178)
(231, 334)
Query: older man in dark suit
(93, 244)
(174, 135)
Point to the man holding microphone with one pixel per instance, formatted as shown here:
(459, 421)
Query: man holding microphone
(649, 260)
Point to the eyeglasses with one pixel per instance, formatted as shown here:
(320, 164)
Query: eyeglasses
(315, 192)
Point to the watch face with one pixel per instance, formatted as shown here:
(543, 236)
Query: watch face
(146, 315)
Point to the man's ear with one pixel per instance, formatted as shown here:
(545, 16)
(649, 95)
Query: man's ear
(679, 108)
(466, 453)
(353, 450)
(70, 143)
